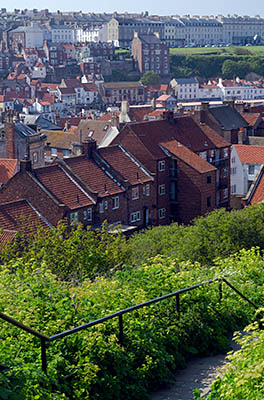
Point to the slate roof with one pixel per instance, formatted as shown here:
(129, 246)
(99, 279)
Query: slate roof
(228, 117)
(43, 123)
(188, 157)
(250, 154)
(186, 81)
(8, 167)
(24, 130)
(149, 39)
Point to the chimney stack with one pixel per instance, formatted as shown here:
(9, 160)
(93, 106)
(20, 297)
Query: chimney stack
(89, 146)
(10, 136)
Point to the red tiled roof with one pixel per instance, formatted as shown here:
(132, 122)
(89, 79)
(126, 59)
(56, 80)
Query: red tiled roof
(217, 139)
(96, 179)
(20, 215)
(108, 116)
(164, 97)
(123, 163)
(62, 187)
(151, 133)
(251, 118)
(72, 120)
(258, 190)
(138, 113)
(188, 156)
(8, 167)
(7, 236)
(68, 90)
(52, 86)
(250, 154)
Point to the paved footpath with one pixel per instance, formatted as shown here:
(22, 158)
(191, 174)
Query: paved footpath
(199, 373)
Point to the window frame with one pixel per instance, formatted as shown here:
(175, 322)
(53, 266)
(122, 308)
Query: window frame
(162, 165)
(162, 189)
(162, 213)
(115, 202)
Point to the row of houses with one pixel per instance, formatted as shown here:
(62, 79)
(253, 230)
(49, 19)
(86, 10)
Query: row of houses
(149, 173)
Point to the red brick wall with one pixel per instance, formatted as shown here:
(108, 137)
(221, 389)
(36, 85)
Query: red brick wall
(10, 140)
(22, 186)
(193, 191)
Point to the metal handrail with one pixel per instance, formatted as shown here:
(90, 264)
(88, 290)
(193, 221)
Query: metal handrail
(119, 314)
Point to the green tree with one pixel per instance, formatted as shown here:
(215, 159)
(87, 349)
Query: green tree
(150, 78)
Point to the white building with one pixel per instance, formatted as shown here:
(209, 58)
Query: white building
(63, 34)
(246, 161)
(185, 88)
(209, 91)
(88, 35)
(240, 89)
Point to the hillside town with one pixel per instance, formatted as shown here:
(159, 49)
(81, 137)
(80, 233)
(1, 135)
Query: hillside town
(85, 139)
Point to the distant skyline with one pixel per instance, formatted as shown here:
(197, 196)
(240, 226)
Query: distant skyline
(170, 7)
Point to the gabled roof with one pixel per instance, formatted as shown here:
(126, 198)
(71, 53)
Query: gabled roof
(187, 156)
(64, 188)
(255, 194)
(8, 167)
(251, 118)
(165, 97)
(125, 164)
(250, 154)
(21, 214)
(228, 117)
(121, 85)
(186, 81)
(94, 176)
(143, 139)
(95, 129)
(217, 139)
(68, 90)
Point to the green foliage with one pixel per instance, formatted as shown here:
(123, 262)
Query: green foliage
(150, 78)
(241, 51)
(243, 377)
(71, 255)
(213, 65)
(57, 280)
(219, 234)
(91, 364)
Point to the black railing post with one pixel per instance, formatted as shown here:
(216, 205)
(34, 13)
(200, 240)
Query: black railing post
(43, 355)
(121, 334)
(220, 286)
(178, 304)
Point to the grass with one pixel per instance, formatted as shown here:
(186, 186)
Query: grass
(253, 50)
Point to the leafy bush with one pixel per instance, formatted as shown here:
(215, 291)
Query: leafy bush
(243, 377)
(91, 364)
(219, 234)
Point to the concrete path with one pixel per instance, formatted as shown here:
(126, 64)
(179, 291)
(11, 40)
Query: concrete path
(199, 373)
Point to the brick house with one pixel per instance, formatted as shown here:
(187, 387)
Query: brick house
(144, 140)
(116, 92)
(151, 54)
(193, 179)
(225, 120)
(106, 184)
